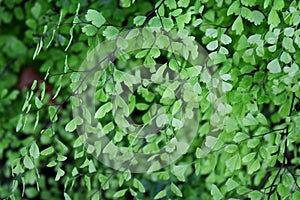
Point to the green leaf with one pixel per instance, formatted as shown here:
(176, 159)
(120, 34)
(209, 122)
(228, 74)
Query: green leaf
(246, 13)
(274, 66)
(177, 105)
(216, 193)
(283, 191)
(288, 44)
(217, 58)
(121, 103)
(296, 196)
(108, 127)
(181, 20)
(155, 22)
(168, 23)
(179, 171)
(168, 93)
(234, 163)
(75, 20)
(18, 169)
(267, 3)
(142, 106)
(176, 123)
(238, 26)
(225, 77)
(271, 38)
(264, 153)
(260, 51)
(38, 49)
(19, 13)
(52, 163)
(111, 32)
(273, 18)
(226, 87)
(254, 166)
(198, 153)
(61, 158)
(139, 20)
(36, 10)
(89, 30)
(291, 70)
(249, 120)
(103, 110)
(142, 53)
(34, 150)
(242, 43)
(118, 136)
(52, 113)
(212, 45)
(74, 171)
(71, 125)
(67, 197)
(278, 4)
(95, 17)
(38, 103)
(183, 3)
(231, 184)
(59, 174)
(110, 148)
(197, 22)
(230, 124)
(162, 42)
(231, 148)
(137, 184)
(120, 193)
(47, 151)
(171, 4)
(78, 142)
(176, 190)
(197, 88)
(249, 3)
(234, 8)
(240, 137)
(20, 123)
(161, 194)
(127, 3)
(61, 147)
(210, 141)
(249, 157)
(285, 57)
(194, 71)
(28, 162)
(289, 32)
(211, 32)
(86, 163)
(255, 195)
(225, 39)
(257, 17)
(34, 84)
(92, 168)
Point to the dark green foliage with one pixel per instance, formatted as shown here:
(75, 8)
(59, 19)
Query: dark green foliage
(253, 50)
